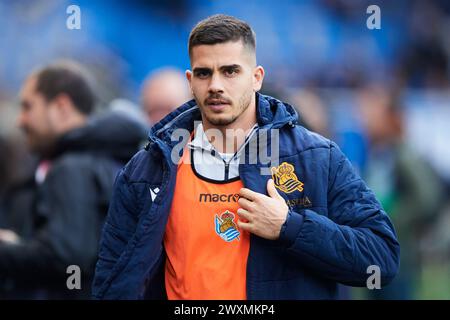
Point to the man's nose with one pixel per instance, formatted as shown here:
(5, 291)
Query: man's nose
(21, 120)
(215, 84)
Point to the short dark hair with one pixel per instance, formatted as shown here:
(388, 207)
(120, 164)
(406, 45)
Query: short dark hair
(221, 28)
(68, 78)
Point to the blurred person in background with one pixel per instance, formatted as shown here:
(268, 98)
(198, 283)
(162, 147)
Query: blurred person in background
(408, 188)
(162, 92)
(7, 163)
(16, 185)
(314, 115)
(79, 156)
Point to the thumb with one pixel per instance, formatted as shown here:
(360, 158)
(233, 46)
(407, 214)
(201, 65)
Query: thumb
(271, 190)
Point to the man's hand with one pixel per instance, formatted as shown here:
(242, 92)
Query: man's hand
(8, 236)
(264, 215)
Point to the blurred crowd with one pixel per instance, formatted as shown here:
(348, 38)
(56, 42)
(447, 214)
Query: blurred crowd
(75, 105)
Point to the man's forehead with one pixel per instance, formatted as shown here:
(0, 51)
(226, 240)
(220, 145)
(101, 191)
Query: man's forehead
(28, 86)
(30, 83)
(220, 54)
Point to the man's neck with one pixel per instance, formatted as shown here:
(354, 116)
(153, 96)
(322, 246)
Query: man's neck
(74, 122)
(229, 140)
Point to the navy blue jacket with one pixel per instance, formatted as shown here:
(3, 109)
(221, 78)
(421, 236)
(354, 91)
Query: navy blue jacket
(335, 228)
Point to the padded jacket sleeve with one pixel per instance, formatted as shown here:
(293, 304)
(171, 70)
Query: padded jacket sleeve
(356, 234)
(68, 202)
(118, 230)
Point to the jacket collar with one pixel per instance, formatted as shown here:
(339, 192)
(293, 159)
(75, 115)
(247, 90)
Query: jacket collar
(270, 113)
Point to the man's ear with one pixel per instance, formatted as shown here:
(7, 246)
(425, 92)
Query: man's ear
(189, 76)
(63, 104)
(258, 77)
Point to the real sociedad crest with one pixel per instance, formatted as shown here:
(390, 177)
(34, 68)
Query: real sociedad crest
(285, 179)
(225, 226)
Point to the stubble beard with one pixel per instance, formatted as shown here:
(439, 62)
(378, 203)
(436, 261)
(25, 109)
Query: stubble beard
(244, 103)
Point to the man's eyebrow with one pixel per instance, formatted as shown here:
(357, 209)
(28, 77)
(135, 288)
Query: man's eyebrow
(198, 69)
(225, 67)
(231, 66)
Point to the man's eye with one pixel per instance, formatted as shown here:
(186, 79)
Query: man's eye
(202, 74)
(230, 72)
(25, 107)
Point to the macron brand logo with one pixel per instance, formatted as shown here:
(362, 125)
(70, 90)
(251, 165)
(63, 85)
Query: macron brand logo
(207, 197)
(153, 193)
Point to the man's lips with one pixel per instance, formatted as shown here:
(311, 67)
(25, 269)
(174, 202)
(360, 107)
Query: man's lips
(217, 107)
(217, 104)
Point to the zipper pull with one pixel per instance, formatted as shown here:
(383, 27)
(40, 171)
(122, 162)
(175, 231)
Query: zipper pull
(227, 170)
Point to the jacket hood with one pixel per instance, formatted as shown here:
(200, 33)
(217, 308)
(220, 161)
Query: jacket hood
(270, 112)
(113, 134)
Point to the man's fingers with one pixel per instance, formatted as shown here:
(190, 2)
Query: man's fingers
(245, 204)
(271, 190)
(244, 215)
(245, 226)
(248, 194)
(8, 236)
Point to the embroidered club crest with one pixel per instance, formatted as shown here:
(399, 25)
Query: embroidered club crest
(285, 178)
(225, 226)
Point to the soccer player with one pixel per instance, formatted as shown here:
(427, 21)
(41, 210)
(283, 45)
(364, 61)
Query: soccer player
(216, 225)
